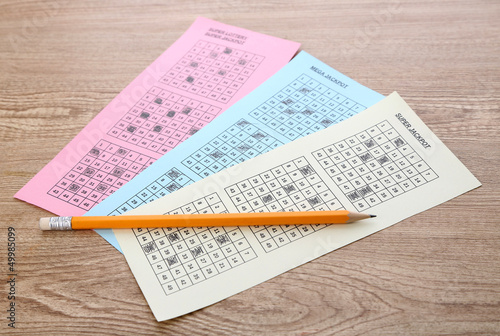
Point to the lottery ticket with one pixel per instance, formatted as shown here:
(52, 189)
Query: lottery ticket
(210, 67)
(383, 161)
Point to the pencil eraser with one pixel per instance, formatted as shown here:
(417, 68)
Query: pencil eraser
(44, 223)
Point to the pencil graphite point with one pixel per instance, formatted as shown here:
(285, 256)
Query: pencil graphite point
(355, 216)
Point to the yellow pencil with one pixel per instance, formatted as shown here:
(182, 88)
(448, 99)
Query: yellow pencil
(199, 220)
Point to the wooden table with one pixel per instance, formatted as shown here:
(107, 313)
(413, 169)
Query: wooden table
(434, 273)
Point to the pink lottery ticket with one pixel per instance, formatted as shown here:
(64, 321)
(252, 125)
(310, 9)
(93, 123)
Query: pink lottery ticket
(210, 67)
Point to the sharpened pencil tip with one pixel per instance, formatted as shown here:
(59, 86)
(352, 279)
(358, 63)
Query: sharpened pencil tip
(371, 216)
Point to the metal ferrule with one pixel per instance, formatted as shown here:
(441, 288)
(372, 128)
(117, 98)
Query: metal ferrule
(60, 223)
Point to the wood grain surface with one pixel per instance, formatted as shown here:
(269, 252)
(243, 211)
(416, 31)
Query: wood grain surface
(437, 273)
